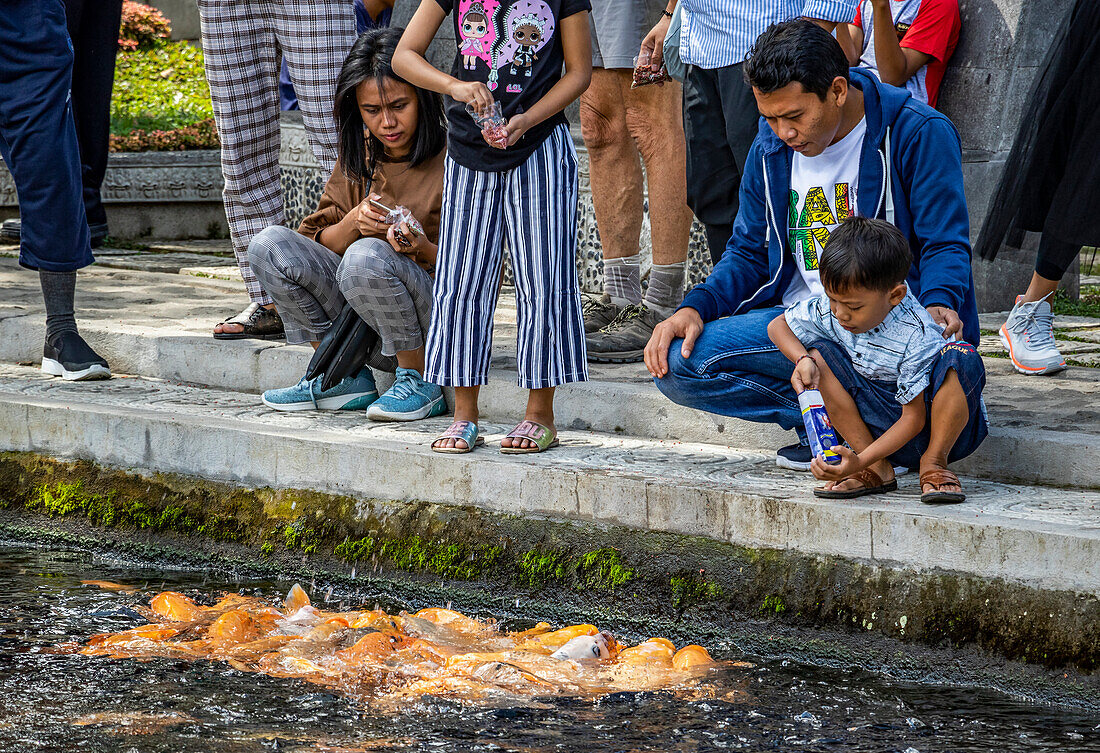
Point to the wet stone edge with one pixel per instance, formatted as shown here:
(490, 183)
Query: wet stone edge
(922, 625)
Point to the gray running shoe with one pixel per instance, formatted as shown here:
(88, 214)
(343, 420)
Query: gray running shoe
(598, 312)
(624, 340)
(1028, 336)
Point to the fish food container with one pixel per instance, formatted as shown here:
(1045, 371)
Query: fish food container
(818, 428)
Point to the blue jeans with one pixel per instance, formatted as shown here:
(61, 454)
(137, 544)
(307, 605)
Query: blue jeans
(879, 408)
(735, 370)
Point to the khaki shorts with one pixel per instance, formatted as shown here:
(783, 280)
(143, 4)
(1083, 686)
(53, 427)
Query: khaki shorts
(618, 28)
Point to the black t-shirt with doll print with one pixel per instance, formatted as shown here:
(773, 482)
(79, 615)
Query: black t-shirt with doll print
(514, 48)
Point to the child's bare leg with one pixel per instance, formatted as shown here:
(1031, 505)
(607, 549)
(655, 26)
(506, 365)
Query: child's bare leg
(540, 409)
(950, 414)
(465, 410)
(844, 415)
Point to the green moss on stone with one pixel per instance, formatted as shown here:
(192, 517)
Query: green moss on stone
(540, 567)
(690, 589)
(773, 604)
(601, 570)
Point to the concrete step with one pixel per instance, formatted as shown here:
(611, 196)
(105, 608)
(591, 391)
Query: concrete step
(1045, 538)
(1045, 430)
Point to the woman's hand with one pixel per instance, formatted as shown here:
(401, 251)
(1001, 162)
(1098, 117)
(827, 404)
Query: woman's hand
(369, 221)
(472, 93)
(514, 129)
(418, 248)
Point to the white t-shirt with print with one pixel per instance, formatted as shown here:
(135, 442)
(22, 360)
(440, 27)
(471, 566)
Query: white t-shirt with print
(823, 194)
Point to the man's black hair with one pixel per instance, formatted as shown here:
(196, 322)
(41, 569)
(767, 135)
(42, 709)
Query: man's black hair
(864, 253)
(795, 51)
(371, 58)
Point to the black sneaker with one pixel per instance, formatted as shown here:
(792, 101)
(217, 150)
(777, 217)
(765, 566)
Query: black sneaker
(12, 230)
(794, 457)
(69, 357)
(624, 340)
(598, 312)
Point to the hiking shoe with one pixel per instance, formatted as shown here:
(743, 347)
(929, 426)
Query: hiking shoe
(598, 312)
(351, 393)
(409, 399)
(1028, 336)
(624, 340)
(69, 357)
(794, 457)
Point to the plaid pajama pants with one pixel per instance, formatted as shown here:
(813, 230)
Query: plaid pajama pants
(309, 284)
(242, 41)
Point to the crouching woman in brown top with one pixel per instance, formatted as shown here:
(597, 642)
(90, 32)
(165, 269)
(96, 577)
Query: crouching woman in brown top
(392, 146)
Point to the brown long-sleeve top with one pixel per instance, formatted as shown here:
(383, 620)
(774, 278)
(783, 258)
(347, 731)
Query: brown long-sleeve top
(419, 188)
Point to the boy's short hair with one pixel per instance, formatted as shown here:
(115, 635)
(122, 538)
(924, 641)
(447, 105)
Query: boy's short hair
(795, 51)
(864, 253)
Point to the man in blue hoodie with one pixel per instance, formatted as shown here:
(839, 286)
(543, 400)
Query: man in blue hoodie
(832, 142)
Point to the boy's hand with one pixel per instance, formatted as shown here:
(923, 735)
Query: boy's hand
(947, 319)
(472, 93)
(849, 465)
(806, 375)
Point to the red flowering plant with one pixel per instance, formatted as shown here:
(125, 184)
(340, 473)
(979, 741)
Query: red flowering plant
(143, 27)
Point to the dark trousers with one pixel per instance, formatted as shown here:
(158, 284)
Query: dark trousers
(38, 139)
(93, 28)
(720, 123)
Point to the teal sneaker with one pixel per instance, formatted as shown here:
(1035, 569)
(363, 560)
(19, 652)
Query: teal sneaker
(410, 398)
(351, 393)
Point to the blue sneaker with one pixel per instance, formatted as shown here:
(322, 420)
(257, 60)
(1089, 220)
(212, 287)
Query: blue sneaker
(352, 393)
(410, 398)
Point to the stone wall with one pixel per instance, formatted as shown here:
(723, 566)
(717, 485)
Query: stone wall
(984, 92)
(183, 14)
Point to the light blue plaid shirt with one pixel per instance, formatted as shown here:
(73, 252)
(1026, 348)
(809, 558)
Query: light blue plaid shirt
(716, 33)
(901, 350)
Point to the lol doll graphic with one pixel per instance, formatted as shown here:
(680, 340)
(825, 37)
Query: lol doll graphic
(476, 32)
(528, 26)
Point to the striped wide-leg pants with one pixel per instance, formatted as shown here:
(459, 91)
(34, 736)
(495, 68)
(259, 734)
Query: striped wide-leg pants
(242, 41)
(531, 209)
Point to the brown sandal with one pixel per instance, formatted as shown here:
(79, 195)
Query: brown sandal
(256, 322)
(938, 477)
(872, 484)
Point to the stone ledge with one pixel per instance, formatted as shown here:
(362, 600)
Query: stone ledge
(1045, 538)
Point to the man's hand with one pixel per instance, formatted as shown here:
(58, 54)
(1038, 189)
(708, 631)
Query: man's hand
(849, 465)
(806, 375)
(947, 319)
(653, 46)
(685, 323)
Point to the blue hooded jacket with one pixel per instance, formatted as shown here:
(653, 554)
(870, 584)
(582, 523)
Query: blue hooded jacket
(918, 148)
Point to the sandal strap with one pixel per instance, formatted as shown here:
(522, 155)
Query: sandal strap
(541, 435)
(467, 431)
(939, 477)
(246, 317)
(868, 478)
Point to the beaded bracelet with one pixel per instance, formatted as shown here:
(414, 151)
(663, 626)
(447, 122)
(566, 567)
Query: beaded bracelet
(805, 355)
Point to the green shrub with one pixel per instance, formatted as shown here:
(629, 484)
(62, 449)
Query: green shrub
(160, 89)
(201, 135)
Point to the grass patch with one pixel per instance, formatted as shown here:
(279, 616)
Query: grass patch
(1088, 304)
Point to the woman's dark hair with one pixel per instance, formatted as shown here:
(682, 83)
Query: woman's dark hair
(371, 58)
(795, 50)
(864, 253)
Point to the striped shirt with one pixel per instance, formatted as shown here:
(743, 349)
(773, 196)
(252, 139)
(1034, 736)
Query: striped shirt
(717, 33)
(901, 350)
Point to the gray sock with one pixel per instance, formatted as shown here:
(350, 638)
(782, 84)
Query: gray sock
(58, 290)
(622, 279)
(666, 287)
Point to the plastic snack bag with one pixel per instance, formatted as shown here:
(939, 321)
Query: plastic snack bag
(396, 216)
(492, 125)
(645, 76)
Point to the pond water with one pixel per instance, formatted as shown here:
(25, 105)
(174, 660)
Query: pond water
(66, 702)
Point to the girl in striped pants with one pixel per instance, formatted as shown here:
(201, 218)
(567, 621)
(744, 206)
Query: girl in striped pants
(516, 187)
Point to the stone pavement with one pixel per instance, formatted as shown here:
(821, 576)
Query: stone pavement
(1045, 430)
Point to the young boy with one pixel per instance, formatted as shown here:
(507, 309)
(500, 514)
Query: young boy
(895, 390)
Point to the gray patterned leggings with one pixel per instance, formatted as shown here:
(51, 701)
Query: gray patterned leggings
(310, 283)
